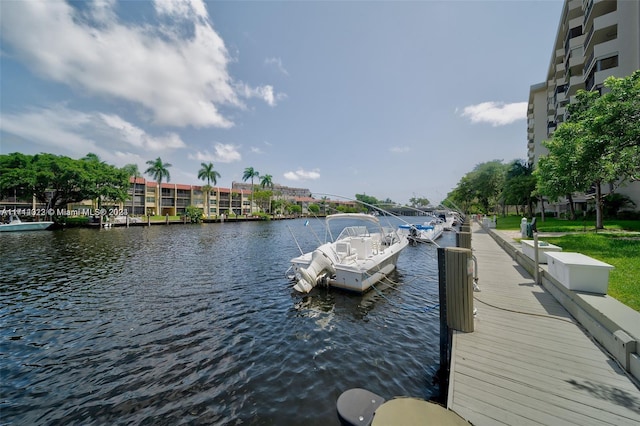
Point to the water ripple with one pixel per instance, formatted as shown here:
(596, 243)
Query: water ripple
(197, 324)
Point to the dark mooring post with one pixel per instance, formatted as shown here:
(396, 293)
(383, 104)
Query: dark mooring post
(458, 266)
(463, 240)
(445, 335)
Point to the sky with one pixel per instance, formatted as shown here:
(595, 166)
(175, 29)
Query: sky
(392, 99)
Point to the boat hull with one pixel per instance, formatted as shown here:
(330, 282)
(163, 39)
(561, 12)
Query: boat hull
(25, 226)
(361, 281)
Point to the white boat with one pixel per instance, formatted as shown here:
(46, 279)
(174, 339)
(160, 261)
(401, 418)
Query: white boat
(427, 232)
(361, 256)
(15, 224)
(450, 219)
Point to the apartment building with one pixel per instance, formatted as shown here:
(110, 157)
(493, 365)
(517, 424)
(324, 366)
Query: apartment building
(595, 39)
(149, 198)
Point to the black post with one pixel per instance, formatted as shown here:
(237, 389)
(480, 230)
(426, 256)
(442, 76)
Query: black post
(444, 329)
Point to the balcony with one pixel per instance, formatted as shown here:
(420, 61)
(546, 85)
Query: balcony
(605, 28)
(588, 8)
(561, 111)
(600, 76)
(575, 83)
(561, 96)
(588, 63)
(599, 8)
(574, 9)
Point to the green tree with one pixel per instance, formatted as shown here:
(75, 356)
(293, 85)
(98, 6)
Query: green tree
(17, 176)
(612, 149)
(266, 181)
(368, 201)
(489, 181)
(250, 173)
(158, 171)
(194, 214)
(57, 181)
(419, 201)
(105, 182)
(520, 185)
(133, 171)
(481, 189)
(557, 174)
(207, 173)
(463, 194)
(263, 198)
(604, 134)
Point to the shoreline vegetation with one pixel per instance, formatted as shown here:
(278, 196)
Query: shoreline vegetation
(617, 244)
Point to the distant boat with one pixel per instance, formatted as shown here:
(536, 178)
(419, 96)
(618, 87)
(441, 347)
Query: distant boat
(427, 232)
(15, 224)
(361, 256)
(450, 219)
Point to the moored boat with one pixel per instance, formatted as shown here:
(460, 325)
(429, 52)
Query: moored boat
(359, 257)
(15, 224)
(427, 232)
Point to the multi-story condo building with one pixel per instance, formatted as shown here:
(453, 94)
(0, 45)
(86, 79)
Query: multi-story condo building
(285, 191)
(149, 198)
(595, 39)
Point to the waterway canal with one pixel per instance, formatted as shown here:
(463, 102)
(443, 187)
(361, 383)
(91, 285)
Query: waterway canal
(198, 324)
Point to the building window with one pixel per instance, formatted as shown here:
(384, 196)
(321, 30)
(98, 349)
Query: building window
(610, 62)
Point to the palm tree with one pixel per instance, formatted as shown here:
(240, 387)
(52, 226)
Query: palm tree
(207, 173)
(132, 170)
(266, 181)
(249, 173)
(158, 171)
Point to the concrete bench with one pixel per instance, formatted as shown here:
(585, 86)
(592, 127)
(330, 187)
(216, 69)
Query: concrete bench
(543, 247)
(579, 272)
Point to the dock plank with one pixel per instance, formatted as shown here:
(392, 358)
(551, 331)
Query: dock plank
(528, 361)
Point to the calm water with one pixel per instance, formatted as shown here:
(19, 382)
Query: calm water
(198, 324)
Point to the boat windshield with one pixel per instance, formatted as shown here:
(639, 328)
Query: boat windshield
(354, 231)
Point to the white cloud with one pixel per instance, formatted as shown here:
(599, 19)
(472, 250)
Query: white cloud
(277, 63)
(265, 93)
(223, 153)
(181, 78)
(76, 133)
(256, 150)
(399, 149)
(181, 8)
(138, 137)
(496, 113)
(302, 174)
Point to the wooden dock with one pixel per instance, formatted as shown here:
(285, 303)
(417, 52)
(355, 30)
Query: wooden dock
(528, 361)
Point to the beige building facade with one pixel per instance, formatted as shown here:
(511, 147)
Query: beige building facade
(596, 39)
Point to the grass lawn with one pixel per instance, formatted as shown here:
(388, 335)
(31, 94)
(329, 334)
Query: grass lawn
(613, 245)
(563, 225)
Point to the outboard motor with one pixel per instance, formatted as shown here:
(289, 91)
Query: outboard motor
(321, 263)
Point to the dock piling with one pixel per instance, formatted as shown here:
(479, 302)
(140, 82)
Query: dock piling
(458, 265)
